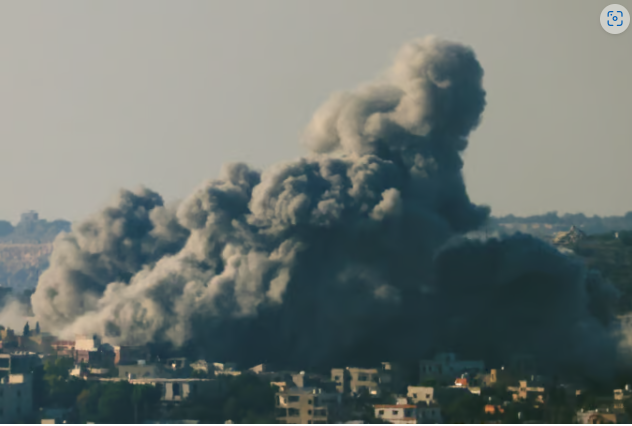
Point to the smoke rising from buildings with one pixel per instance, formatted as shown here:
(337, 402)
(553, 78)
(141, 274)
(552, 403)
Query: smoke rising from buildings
(349, 255)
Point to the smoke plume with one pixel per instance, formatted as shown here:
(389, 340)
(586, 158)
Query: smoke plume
(349, 255)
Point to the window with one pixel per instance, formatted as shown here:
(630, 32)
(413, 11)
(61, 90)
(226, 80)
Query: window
(293, 398)
(381, 412)
(309, 412)
(427, 396)
(309, 401)
(176, 389)
(336, 378)
(293, 412)
(320, 412)
(395, 412)
(414, 395)
(362, 377)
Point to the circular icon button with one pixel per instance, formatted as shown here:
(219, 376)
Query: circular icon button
(615, 19)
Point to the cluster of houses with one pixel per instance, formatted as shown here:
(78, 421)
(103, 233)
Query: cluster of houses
(301, 397)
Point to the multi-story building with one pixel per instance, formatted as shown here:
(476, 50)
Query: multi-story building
(356, 380)
(64, 347)
(526, 390)
(392, 377)
(445, 366)
(307, 406)
(620, 395)
(18, 363)
(130, 354)
(16, 398)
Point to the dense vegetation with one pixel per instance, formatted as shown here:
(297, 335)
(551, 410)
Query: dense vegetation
(248, 399)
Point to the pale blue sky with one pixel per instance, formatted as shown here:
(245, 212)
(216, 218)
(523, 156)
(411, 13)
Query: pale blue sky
(100, 95)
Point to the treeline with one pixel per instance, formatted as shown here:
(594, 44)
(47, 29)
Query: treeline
(247, 399)
(588, 224)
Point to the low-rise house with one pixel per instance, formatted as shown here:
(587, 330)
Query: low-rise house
(401, 414)
(307, 406)
(356, 380)
(202, 366)
(16, 398)
(421, 394)
(141, 370)
(227, 368)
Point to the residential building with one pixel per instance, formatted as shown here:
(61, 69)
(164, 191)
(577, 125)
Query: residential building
(527, 390)
(201, 365)
(130, 354)
(356, 380)
(391, 377)
(445, 366)
(64, 347)
(141, 370)
(620, 395)
(228, 368)
(258, 369)
(401, 414)
(18, 363)
(421, 394)
(176, 390)
(16, 398)
(598, 417)
(87, 343)
(83, 356)
(307, 406)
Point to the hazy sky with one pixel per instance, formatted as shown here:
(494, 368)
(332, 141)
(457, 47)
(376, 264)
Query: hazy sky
(100, 95)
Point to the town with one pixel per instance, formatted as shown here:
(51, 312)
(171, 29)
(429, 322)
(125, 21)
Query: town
(51, 381)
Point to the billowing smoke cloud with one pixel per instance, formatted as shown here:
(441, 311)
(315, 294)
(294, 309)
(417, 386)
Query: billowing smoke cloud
(338, 257)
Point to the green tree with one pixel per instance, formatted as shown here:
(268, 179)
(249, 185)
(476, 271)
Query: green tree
(468, 408)
(27, 330)
(37, 328)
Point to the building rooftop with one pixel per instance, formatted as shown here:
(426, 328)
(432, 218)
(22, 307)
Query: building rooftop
(394, 406)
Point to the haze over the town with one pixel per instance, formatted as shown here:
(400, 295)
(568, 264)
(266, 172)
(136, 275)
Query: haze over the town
(98, 96)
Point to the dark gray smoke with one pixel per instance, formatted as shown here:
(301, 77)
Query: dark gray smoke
(330, 259)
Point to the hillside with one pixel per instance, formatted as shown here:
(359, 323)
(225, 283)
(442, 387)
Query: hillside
(25, 249)
(611, 254)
